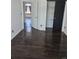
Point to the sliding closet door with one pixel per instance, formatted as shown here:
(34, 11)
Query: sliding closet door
(58, 16)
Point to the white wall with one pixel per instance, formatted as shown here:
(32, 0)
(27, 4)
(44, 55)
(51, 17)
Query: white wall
(42, 9)
(50, 14)
(16, 17)
(41, 14)
(34, 14)
(64, 27)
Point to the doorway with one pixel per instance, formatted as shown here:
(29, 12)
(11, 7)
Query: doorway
(55, 11)
(27, 16)
(58, 16)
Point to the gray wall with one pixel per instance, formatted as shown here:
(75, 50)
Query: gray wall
(64, 27)
(50, 14)
(16, 17)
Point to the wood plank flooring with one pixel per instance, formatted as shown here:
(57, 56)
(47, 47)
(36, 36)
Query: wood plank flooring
(39, 45)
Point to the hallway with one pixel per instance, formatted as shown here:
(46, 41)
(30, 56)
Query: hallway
(39, 45)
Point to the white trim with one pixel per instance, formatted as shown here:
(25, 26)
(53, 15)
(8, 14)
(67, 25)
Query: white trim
(27, 4)
(22, 14)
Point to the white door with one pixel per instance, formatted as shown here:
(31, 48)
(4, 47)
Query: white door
(34, 14)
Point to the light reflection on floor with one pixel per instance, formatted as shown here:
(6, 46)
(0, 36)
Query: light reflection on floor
(28, 26)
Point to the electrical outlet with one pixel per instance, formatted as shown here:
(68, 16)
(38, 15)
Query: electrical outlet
(12, 31)
(64, 27)
(41, 25)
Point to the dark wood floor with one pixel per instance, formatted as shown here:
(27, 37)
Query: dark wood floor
(39, 45)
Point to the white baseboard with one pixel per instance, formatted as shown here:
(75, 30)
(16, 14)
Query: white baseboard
(16, 33)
